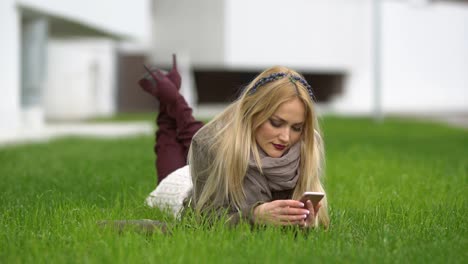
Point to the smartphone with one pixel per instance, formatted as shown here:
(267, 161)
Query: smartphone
(314, 197)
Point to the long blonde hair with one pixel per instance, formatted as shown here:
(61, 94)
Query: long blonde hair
(231, 140)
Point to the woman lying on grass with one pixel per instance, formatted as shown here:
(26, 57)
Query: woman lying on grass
(254, 160)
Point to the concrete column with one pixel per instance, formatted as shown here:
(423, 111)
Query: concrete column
(9, 68)
(33, 64)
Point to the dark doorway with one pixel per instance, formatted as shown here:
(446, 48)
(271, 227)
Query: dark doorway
(130, 97)
(219, 86)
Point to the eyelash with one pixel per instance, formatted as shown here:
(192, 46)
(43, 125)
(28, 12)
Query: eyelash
(275, 123)
(297, 129)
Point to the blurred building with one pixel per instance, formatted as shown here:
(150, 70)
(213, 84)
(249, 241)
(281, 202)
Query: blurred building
(64, 59)
(59, 58)
(417, 55)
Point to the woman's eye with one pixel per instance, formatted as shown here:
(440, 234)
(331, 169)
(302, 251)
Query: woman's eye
(275, 123)
(297, 128)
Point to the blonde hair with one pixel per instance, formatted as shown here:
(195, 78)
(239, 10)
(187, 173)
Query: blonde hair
(231, 140)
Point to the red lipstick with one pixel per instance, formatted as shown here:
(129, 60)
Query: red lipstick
(279, 146)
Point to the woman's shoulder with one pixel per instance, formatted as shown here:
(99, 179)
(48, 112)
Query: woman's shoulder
(212, 130)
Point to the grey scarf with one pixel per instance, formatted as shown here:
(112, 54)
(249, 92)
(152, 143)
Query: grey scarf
(278, 173)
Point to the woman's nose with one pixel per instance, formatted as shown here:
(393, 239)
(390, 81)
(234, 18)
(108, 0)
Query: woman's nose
(284, 135)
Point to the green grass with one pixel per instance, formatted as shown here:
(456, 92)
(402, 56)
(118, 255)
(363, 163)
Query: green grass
(130, 117)
(397, 193)
(125, 117)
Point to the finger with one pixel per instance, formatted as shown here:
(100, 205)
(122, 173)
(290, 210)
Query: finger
(317, 207)
(291, 203)
(311, 219)
(291, 218)
(302, 223)
(174, 61)
(294, 211)
(310, 206)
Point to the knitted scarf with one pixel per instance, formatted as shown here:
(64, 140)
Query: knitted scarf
(278, 173)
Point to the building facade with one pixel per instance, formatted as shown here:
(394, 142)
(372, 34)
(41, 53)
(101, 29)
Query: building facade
(58, 58)
(400, 56)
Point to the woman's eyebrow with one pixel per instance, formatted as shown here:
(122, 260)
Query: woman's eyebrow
(284, 121)
(277, 117)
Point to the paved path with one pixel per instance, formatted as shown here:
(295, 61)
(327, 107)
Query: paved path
(50, 131)
(455, 120)
(458, 121)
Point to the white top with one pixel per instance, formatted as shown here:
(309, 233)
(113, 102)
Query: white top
(171, 191)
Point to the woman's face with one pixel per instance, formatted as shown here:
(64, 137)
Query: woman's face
(283, 129)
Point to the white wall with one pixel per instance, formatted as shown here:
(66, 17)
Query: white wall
(425, 57)
(9, 67)
(81, 79)
(323, 36)
(310, 34)
(194, 30)
(130, 18)
(424, 48)
(330, 36)
(191, 28)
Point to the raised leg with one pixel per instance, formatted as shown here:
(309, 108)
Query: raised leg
(176, 123)
(170, 153)
(187, 125)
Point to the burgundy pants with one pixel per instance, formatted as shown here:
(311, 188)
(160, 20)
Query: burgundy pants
(176, 127)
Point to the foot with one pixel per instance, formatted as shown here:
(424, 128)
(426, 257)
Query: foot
(164, 89)
(156, 78)
(173, 74)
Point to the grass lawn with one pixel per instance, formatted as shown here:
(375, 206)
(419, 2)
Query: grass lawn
(124, 117)
(397, 192)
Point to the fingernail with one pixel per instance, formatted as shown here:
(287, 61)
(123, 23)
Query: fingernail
(301, 205)
(308, 212)
(305, 216)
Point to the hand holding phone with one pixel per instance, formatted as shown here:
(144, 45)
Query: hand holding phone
(314, 197)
